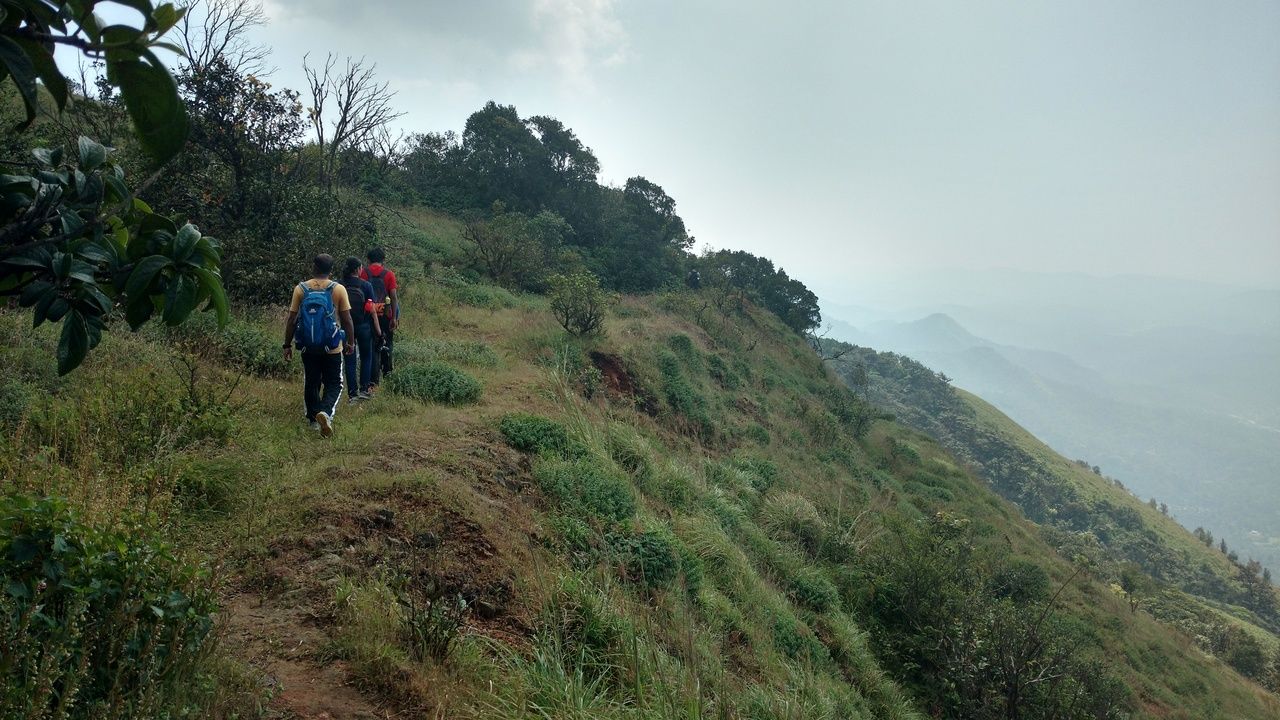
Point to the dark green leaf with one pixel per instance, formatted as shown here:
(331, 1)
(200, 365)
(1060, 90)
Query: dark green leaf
(185, 242)
(23, 74)
(37, 257)
(82, 271)
(71, 222)
(73, 344)
(41, 310)
(117, 190)
(180, 299)
(165, 17)
(151, 97)
(217, 296)
(47, 70)
(57, 309)
(143, 273)
(33, 292)
(138, 312)
(92, 153)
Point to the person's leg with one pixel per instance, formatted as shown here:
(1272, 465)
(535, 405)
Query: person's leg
(389, 335)
(375, 370)
(311, 379)
(364, 345)
(351, 367)
(331, 369)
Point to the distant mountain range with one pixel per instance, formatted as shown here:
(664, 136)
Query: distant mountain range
(1182, 406)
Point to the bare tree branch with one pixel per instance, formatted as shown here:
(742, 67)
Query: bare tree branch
(360, 111)
(213, 29)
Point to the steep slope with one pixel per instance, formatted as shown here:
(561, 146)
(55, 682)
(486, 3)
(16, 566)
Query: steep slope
(686, 517)
(1158, 414)
(1208, 594)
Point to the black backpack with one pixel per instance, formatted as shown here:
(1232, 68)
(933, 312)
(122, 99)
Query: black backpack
(379, 284)
(355, 293)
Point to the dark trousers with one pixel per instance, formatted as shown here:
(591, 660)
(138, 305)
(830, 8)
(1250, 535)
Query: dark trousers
(382, 365)
(360, 363)
(321, 370)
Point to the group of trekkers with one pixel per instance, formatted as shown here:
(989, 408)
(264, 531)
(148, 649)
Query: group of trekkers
(344, 332)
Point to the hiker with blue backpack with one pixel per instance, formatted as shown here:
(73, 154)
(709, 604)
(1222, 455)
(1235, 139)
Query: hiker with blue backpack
(319, 325)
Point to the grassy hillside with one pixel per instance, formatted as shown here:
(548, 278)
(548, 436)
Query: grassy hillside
(1226, 606)
(686, 517)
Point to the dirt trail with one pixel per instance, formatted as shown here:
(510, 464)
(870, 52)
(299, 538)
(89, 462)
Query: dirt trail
(284, 644)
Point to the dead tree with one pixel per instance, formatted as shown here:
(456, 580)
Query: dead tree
(213, 30)
(349, 109)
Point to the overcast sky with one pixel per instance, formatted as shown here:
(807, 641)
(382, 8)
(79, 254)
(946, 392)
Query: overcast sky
(847, 138)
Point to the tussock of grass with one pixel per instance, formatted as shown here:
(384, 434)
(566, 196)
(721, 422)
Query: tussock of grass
(435, 382)
(586, 486)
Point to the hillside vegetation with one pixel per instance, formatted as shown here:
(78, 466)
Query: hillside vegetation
(608, 478)
(687, 516)
(1230, 607)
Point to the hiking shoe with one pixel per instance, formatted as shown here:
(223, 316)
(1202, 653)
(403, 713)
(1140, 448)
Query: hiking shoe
(365, 394)
(315, 425)
(326, 424)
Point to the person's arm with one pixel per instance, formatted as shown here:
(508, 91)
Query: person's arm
(291, 323)
(290, 327)
(373, 320)
(395, 309)
(349, 328)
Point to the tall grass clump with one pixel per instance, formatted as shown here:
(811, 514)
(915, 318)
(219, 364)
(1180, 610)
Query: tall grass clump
(462, 352)
(435, 382)
(587, 487)
(97, 622)
(536, 434)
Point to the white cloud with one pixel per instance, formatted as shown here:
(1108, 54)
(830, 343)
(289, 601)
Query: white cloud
(576, 38)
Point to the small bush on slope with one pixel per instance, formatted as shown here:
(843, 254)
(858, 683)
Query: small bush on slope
(435, 382)
(586, 487)
(536, 434)
(96, 623)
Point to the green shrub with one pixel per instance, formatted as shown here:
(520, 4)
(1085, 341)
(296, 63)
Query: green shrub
(810, 588)
(758, 434)
(536, 434)
(417, 350)
(793, 517)
(648, 558)
(1021, 581)
(578, 302)
(241, 344)
(591, 634)
(16, 400)
(573, 536)
(630, 451)
(96, 619)
(794, 639)
(684, 348)
(722, 374)
(681, 395)
(586, 486)
(463, 292)
(764, 473)
(435, 382)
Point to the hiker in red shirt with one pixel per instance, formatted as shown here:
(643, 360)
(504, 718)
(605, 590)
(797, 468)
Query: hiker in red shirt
(386, 304)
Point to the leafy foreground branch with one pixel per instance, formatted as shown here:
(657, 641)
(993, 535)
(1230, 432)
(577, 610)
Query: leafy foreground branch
(75, 242)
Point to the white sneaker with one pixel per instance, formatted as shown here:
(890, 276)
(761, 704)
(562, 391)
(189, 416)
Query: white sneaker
(326, 424)
(315, 425)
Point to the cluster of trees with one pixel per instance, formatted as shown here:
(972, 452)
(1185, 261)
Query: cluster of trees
(276, 173)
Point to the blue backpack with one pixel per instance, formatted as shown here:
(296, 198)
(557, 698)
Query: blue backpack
(317, 327)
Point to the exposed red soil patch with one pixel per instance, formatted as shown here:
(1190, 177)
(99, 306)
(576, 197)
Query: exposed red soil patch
(619, 382)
